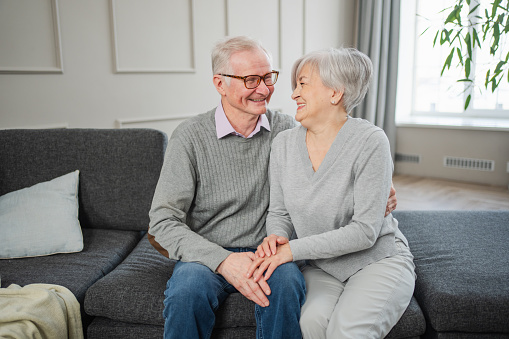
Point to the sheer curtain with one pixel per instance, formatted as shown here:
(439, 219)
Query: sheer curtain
(378, 37)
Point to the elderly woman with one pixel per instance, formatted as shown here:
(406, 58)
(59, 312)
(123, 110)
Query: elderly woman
(329, 183)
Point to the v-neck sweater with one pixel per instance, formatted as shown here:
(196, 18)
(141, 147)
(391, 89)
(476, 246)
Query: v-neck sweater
(338, 211)
(213, 193)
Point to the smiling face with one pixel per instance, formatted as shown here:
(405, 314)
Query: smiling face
(236, 98)
(313, 98)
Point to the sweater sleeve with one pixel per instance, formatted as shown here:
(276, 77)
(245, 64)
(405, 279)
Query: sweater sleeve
(172, 200)
(372, 180)
(278, 220)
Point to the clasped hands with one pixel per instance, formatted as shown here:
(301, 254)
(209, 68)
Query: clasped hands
(273, 252)
(245, 270)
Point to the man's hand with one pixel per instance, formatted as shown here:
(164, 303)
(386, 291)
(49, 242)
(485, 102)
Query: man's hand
(269, 264)
(269, 245)
(392, 202)
(234, 269)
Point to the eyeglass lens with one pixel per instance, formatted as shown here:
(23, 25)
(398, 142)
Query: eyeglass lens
(254, 80)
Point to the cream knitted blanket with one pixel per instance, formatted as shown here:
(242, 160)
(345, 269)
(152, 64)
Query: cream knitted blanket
(39, 311)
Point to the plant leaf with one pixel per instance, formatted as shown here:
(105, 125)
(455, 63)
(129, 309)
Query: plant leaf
(485, 29)
(496, 39)
(448, 61)
(458, 52)
(445, 36)
(454, 15)
(467, 67)
(498, 82)
(498, 69)
(468, 42)
(476, 37)
(473, 9)
(435, 40)
(445, 9)
(467, 102)
(494, 8)
(457, 36)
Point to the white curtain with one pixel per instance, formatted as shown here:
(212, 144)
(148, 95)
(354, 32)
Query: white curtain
(378, 37)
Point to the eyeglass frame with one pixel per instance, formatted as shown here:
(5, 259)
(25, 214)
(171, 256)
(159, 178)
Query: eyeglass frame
(260, 78)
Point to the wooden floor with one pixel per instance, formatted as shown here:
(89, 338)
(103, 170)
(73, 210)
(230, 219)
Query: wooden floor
(417, 193)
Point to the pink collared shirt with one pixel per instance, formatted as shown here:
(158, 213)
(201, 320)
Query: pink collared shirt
(224, 128)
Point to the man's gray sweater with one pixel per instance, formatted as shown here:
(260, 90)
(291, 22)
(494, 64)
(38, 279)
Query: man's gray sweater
(212, 193)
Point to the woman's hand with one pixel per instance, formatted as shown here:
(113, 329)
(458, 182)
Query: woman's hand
(269, 245)
(269, 264)
(392, 202)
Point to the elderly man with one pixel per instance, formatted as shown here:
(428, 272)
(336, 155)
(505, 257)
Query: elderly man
(211, 200)
(210, 203)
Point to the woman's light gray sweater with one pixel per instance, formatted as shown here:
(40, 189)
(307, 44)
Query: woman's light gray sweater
(213, 193)
(338, 211)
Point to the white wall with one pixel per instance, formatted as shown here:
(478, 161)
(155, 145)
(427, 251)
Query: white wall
(433, 144)
(60, 67)
(156, 70)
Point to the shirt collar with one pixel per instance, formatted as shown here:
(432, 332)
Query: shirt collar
(224, 128)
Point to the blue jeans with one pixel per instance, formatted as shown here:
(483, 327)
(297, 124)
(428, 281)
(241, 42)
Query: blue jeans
(194, 293)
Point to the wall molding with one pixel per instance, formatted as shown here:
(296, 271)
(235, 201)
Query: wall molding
(124, 123)
(58, 66)
(61, 125)
(140, 69)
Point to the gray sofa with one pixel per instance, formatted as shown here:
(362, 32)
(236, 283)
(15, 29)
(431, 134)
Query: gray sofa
(119, 279)
(462, 266)
(118, 174)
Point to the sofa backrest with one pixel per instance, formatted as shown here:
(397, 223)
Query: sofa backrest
(119, 169)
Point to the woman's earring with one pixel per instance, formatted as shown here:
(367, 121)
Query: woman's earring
(333, 102)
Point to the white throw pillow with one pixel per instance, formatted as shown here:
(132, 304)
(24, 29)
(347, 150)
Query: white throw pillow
(41, 220)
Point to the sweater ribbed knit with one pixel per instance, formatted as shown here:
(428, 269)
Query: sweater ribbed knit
(213, 193)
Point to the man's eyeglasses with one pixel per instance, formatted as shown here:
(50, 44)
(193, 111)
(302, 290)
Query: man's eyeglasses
(253, 81)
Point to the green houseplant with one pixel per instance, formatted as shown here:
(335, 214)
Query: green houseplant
(470, 26)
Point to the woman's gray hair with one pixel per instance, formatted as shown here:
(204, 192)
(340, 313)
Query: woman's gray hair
(342, 69)
(224, 49)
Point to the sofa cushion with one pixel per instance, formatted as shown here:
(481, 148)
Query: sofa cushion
(119, 169)
(411, 324)
(41, 219)
(133, 293)
(103, 250)
(106, 328)
(461, 260)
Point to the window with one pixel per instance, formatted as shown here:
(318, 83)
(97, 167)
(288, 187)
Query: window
(426, 97)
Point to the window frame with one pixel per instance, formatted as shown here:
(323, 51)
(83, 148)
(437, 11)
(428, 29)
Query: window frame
(406, 92)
